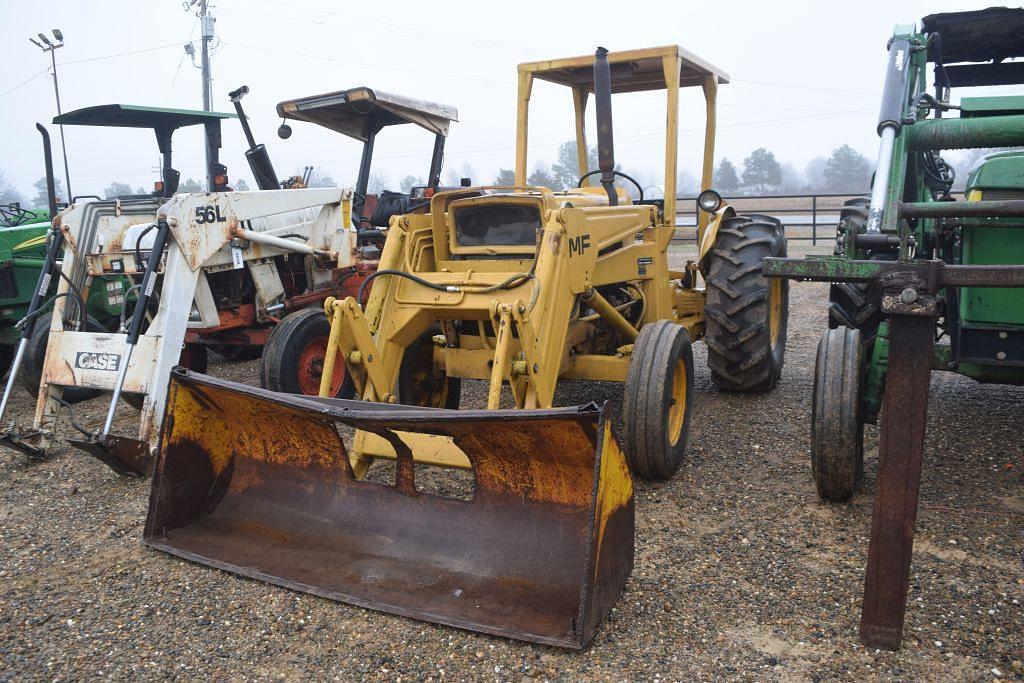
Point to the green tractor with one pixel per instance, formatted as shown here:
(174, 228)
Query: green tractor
(919, 281)
(22, 250)
(14, 216)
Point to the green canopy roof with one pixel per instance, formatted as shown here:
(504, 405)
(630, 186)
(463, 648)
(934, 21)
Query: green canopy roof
(132, 116)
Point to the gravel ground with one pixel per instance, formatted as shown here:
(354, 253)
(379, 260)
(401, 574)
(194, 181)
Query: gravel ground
(741, 573)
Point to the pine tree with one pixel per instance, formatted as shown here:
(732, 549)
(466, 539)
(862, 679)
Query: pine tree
(761, 171)
(847, 171)
(726, 179)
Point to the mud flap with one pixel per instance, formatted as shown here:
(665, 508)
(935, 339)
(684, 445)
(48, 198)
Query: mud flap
(260, 484)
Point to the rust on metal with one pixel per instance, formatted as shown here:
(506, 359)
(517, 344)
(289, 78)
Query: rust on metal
(122, 454)
(900, 452)
(260, 484)
(934, 272)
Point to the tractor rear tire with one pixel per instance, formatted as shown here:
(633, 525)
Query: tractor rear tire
(293, 359)
(657, 398)
(419, 384)
(747, 313)
(837, 430)
(854, 304)
(35, 357)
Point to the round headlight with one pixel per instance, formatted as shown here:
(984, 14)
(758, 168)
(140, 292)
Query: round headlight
(709, 201)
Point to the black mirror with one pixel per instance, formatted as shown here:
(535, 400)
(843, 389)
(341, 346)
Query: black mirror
(171, 179)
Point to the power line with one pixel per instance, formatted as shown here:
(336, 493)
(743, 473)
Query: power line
(24, 82)
(412, 32)
(118, 54)
(263, 48)
(801, 86)
(181, 60)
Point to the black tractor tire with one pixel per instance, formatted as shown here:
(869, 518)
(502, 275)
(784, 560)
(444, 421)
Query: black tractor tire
(837, 428)
(237, 352)
(747, 313)
(419, 384)
(654, 426)
(195, 357)
(292, 360)
(854, 304)
(6, 358)
(31, 373)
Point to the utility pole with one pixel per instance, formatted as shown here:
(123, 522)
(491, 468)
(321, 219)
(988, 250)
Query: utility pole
(206, 21)
(47, 46)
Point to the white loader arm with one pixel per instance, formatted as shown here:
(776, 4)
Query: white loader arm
(273, 222)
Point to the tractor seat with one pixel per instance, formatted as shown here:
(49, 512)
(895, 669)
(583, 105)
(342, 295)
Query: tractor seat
(393, 204)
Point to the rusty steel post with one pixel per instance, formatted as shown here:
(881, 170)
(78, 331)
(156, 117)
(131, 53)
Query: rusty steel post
(900, 451)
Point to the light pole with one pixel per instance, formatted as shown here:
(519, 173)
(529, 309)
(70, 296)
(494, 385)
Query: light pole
(208, 34)
(47, 46)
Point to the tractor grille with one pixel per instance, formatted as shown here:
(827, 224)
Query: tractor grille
(8, 286)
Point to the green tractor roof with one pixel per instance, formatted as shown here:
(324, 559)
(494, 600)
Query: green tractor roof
(133, 116)
(987, 38)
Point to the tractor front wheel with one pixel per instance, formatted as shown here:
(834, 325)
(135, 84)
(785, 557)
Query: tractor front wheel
(837, 430)
(657, 398)
(747, 313)
(293, 359)
(420, 383)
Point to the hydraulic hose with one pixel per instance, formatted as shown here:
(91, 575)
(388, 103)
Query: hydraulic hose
(511, 282)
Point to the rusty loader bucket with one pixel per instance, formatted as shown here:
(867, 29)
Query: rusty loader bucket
(260, 484)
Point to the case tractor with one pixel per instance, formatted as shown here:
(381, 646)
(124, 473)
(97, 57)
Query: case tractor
(520, 287)
(920, 281)
(218, 269)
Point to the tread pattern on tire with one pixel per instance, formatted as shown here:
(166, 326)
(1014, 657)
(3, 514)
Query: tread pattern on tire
(276, 373)
(655, 352)
(853, 304)
(740, 355)
(453, 398)
(837, 432)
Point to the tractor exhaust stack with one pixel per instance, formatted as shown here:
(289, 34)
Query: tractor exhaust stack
(603, 113)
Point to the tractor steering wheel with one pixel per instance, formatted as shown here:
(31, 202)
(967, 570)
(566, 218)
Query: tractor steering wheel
(640, 190)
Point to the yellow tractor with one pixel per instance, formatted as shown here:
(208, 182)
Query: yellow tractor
(525, 286)
(522, 287)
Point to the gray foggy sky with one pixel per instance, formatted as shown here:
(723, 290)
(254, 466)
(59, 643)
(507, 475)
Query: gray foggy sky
(805, 78)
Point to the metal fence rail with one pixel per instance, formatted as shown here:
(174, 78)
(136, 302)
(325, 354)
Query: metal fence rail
(808, 217)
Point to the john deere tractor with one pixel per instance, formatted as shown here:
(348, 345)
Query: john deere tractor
(22, 250)
(920, 281)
